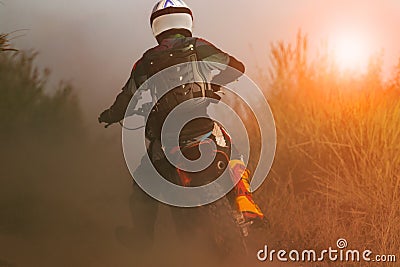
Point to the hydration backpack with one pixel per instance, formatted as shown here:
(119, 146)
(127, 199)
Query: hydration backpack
(177, 64)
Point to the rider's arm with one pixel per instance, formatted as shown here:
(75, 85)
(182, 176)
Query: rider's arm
(230, 68)
(231, 73)
(118, 108)
(117, 111)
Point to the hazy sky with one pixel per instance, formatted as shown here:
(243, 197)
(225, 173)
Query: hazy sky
(94, 43)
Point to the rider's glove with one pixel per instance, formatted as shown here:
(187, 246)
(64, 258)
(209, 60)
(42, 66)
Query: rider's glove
(107, 117)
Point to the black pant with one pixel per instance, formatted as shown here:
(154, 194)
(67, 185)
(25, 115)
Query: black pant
(144, 208)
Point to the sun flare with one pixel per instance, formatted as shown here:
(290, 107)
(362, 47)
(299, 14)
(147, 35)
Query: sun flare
(351, 51)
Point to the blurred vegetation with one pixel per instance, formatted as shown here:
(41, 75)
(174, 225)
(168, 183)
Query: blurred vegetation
(57, 206)
(38, 131)
(337, 168)
(26, 108)
(4, 43)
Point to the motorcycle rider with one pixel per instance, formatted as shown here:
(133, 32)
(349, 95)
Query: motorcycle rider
(171, 22)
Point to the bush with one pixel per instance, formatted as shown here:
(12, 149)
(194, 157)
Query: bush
(337, 167)
(38, 134)
(4, 45)
(26, 110)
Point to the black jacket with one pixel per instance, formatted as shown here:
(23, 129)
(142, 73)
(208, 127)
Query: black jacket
(213, 58)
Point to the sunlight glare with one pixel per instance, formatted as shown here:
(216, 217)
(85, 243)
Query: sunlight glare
(351, 51)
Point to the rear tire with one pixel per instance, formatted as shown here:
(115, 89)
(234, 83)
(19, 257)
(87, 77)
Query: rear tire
(225, 231)
(211, 229)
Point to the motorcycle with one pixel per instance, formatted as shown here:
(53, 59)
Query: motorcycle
(219, 224)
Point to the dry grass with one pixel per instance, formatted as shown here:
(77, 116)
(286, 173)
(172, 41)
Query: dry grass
(4, 43)
(337, 167)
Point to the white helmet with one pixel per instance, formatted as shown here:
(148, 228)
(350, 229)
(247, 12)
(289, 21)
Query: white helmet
(171, 14)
